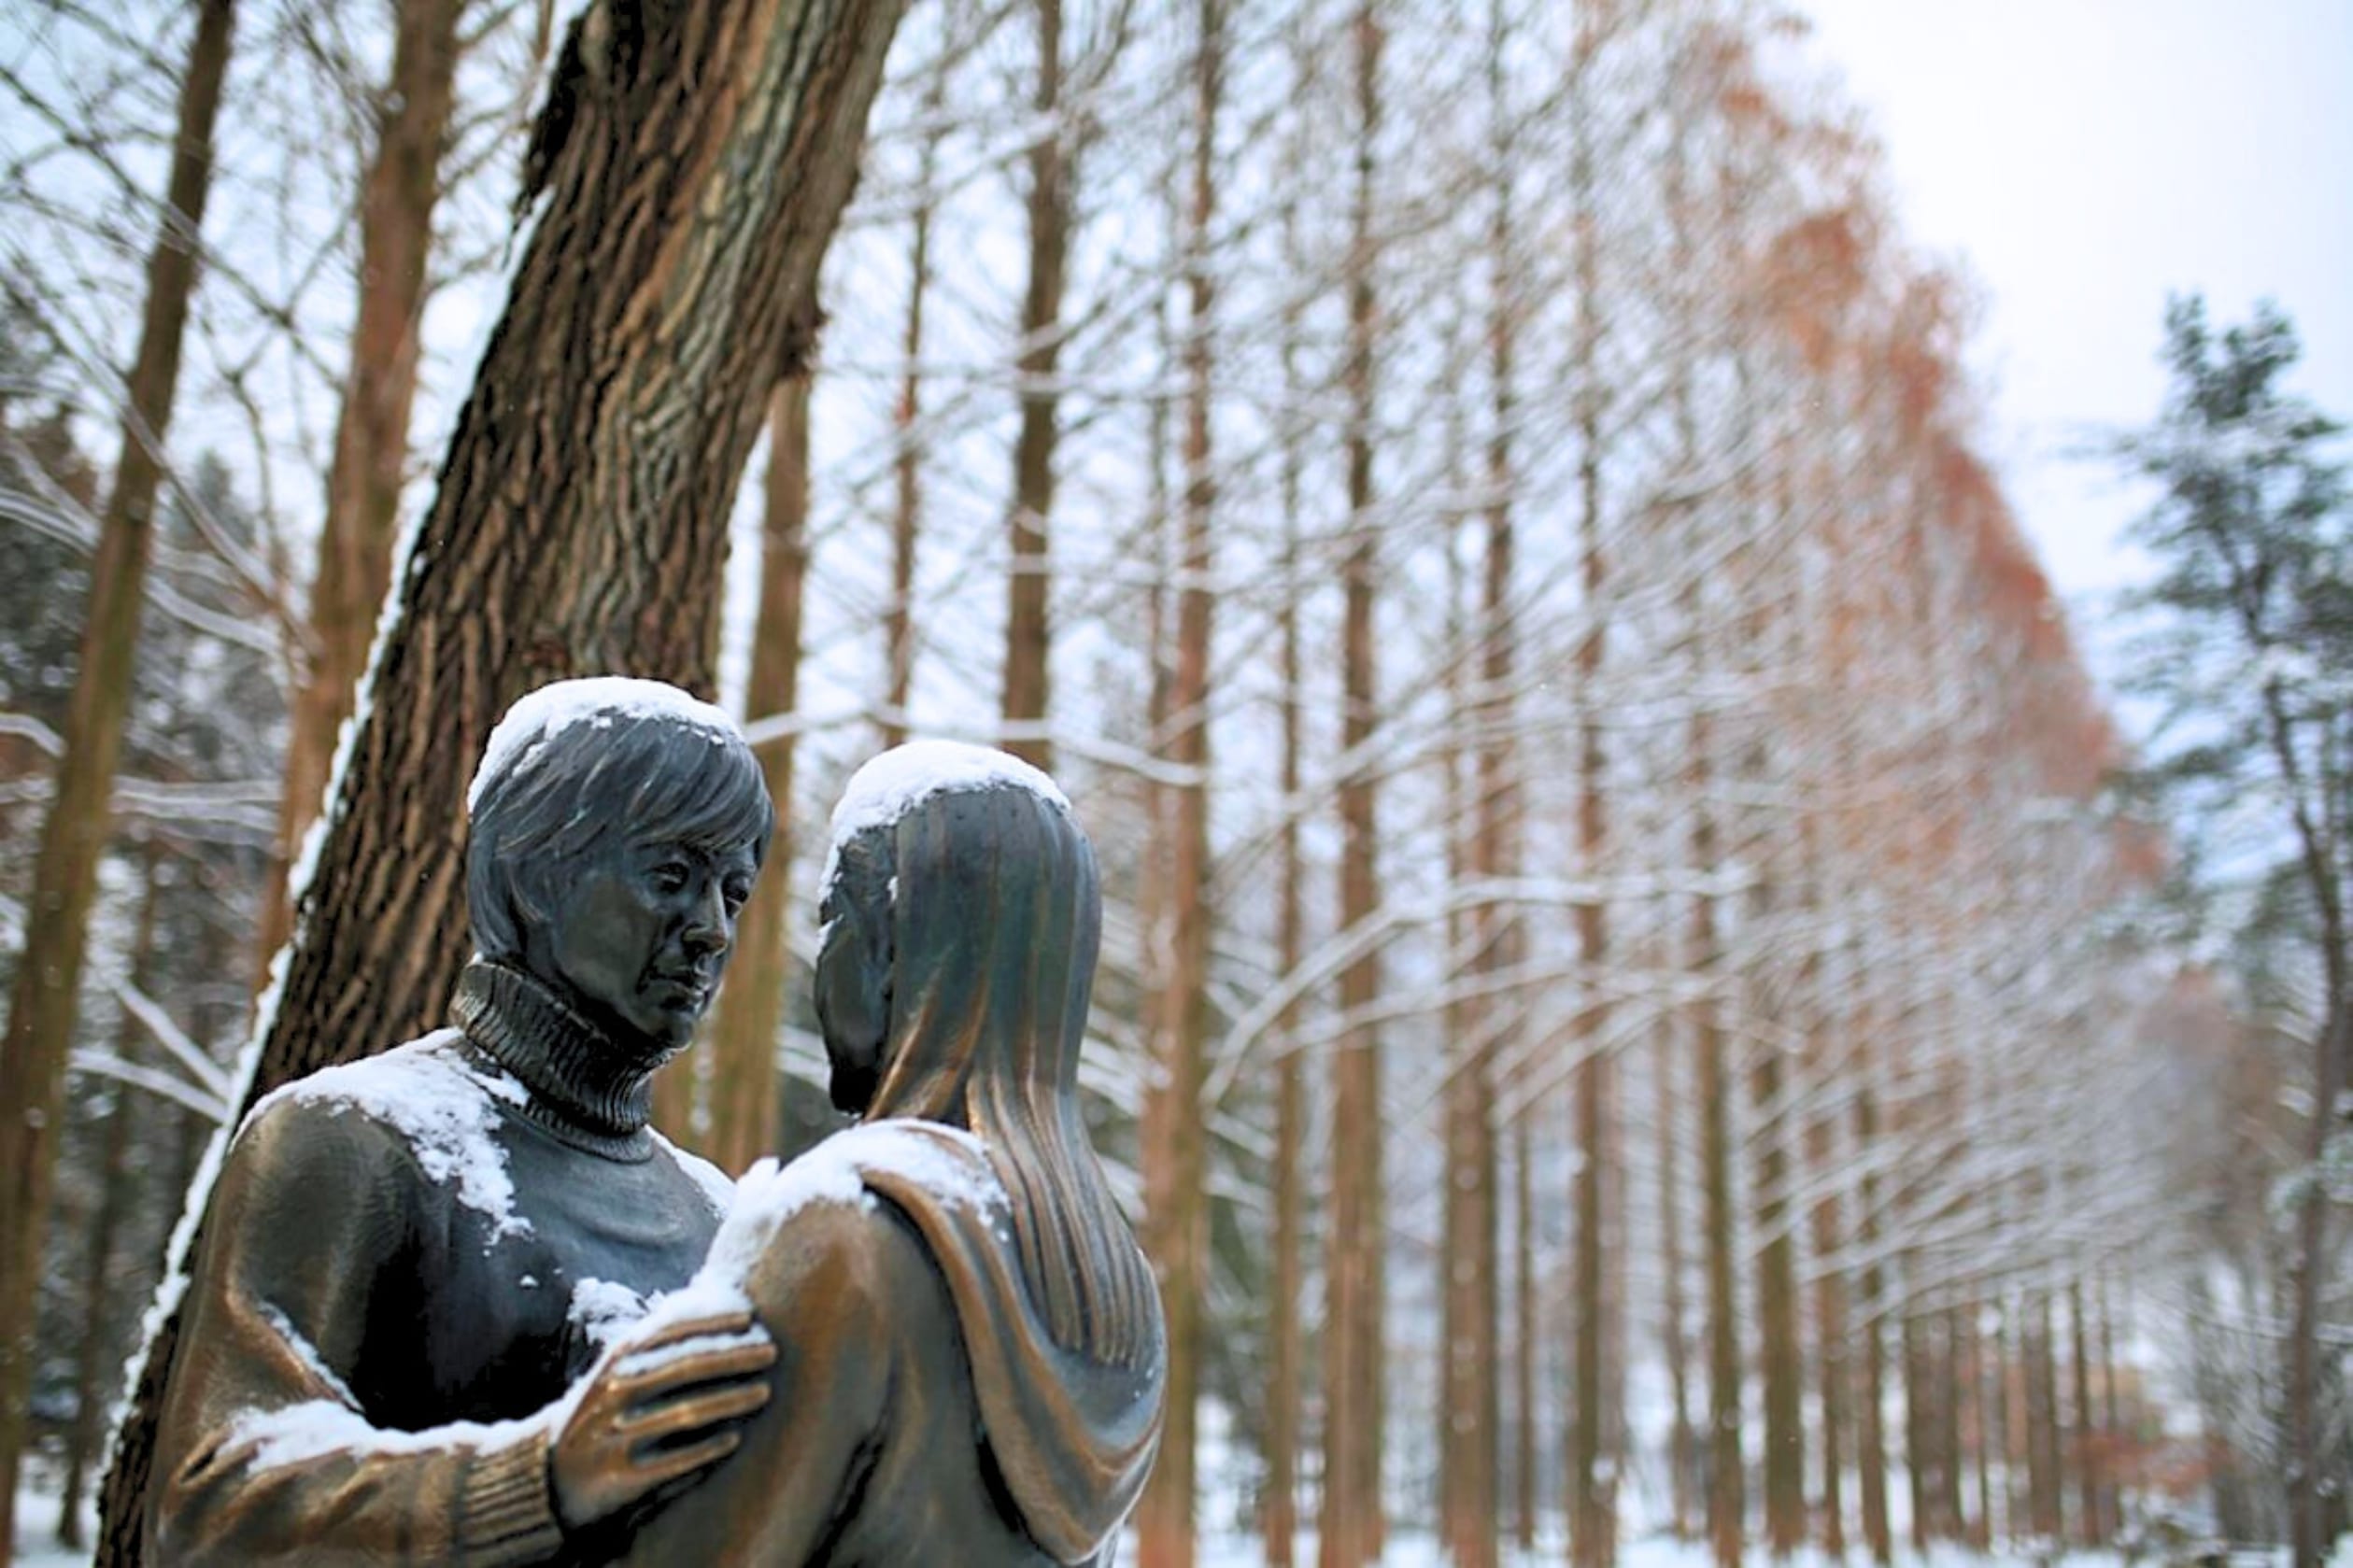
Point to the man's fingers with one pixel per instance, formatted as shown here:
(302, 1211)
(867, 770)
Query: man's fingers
(728, 1403)
(675, 1464)
(733, 1323)
(677, 1367)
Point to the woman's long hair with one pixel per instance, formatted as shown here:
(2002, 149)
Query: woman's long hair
(996, 920)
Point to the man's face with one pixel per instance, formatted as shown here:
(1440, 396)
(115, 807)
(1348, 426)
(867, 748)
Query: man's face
(643, 930)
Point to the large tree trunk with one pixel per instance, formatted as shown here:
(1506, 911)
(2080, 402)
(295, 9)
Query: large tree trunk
(371, 451)
(1350, 1521)
(746, 1088)
(45, 999)
(580, 521)
(1027, 627)
(1176, 1150)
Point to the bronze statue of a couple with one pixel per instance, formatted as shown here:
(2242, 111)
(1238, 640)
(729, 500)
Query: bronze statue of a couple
(458, 1302)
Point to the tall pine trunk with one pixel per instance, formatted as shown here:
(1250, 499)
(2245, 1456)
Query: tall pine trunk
(1833, 1372)
(1712, 1085)
(1350, 1520)
(1592, 1499)
(371, 451)
(91, 1384)
(1175, 1173)
(44, 1002)
(1682, 1452)
(906, 515)
(1285, 1334)
(746, 1085)
(579, 525)
(1870, 1436)
(1027, 690)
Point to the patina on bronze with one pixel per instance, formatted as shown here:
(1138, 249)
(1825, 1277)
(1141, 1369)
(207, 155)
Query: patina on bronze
(971, 1352)
(411, 1260)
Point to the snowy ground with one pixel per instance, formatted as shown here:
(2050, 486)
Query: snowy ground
(36, 1534)
(37, 1547)
(1408, 1550)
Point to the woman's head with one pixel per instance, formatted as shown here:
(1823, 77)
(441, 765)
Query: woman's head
(962, 922)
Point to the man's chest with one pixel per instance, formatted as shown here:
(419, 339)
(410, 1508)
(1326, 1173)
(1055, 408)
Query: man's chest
(520, 1308)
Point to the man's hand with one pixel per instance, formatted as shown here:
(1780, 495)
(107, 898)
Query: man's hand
(658, 1412)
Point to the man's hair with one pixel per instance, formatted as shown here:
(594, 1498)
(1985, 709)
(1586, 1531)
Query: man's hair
(647, 774)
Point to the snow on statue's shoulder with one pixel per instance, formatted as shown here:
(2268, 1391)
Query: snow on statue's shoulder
(442, 1104)
(946, 1162)
(890, 785)
(603, 700)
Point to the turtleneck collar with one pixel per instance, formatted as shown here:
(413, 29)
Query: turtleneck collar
(587, 1087)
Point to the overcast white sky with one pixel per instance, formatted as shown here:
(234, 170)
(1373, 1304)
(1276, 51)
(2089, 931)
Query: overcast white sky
(2082, 158)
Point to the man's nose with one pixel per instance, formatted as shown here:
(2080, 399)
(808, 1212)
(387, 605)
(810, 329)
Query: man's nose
(709, 931)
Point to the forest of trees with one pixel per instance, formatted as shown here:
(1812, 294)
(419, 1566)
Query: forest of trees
(1643, 992)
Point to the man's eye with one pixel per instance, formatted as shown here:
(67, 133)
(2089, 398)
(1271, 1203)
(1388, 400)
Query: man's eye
(736, 891)
(670, 876)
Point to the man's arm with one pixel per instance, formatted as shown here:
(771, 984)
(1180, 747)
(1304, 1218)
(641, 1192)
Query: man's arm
(265, 1454)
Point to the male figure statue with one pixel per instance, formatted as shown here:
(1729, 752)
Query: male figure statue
(972, 1355)
(412, 1260)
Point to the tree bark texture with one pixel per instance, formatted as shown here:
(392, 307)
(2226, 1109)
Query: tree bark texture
(745, 1084)
(1028, 633)
(371, 451)
(694, 159)
(1176, 1167)
(45, 999)
(1350, 1521)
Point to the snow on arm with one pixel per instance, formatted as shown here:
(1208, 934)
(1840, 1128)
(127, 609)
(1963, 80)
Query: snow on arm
(890, 785)
(600, 700)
